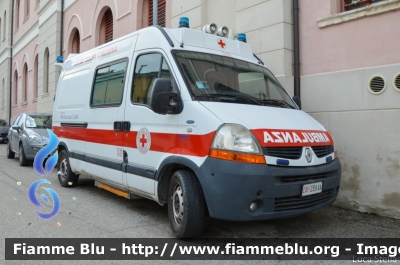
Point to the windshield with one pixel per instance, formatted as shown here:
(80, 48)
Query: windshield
(223, 79)
(38, 122)
(3, 123)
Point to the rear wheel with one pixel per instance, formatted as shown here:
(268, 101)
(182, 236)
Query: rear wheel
(10, 153)
(186, 205)
(66, 177)
(23, 161)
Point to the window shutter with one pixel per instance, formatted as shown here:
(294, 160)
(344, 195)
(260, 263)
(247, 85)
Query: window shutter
(77, 42)
(161, 14)
(108, 19)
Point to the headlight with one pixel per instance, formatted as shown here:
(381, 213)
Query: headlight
(35, 139)
(234, 142)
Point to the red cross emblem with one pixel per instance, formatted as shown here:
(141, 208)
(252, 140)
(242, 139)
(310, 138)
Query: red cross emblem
(143, 140)
(221, 43)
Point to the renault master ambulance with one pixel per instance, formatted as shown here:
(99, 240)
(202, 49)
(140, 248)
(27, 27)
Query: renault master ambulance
(194, 121)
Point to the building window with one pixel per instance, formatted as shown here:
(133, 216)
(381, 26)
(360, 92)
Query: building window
(46, 71)
(27, 4)
(0, 29)
(15, 87)
(17, 14)
(25, 84)
(35, 77)
(106, 27)
(354, 4)
(76, 42)
(161, 10)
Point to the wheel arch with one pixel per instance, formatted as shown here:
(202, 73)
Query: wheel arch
(166, 170)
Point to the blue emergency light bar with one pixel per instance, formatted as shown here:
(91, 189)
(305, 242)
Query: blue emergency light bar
(184, 22)
(241, 37)
(60, 59)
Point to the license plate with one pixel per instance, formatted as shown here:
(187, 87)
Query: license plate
(311, 188)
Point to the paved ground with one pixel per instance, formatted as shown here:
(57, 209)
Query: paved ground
(88, 212)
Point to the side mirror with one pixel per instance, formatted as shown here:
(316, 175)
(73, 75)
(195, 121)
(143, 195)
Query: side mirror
(297, 100)
(163, 100)
(16, 127)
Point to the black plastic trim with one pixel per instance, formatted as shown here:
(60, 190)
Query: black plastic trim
(140, 171)
(175, 160)
(165, 35)
(259, 60)
(75, 124)
(103, 162)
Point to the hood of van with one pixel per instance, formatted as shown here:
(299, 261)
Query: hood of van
(273, 126)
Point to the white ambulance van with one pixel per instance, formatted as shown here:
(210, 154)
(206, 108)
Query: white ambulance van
(194, 121)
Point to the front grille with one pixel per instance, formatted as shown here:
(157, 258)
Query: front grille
(297, 202)
(284, 152)
(321, 151)
(3, 134)
(302, 178)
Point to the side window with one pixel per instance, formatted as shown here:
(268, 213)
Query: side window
(16, 120)
(148, 68)
(21, 121)
(108, 85)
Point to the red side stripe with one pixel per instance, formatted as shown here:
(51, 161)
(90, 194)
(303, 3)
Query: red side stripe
(195, 145)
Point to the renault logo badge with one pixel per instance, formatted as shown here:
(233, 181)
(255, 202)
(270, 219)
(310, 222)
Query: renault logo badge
(308, 155)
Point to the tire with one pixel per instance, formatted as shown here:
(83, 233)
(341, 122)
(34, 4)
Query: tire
(10, 153)
(66, 177)
(23, 161)
(186, 205)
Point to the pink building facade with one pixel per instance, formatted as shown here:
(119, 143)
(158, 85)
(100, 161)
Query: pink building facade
(350, 82)
(43, 30)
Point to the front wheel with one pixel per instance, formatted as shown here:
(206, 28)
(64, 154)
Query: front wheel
(66, 177)
(186, 205)
(23, 161)
(10, 153)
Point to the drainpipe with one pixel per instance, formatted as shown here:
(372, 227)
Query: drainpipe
(11, 60)
(62, 27)
(155, 12)
(296, 48)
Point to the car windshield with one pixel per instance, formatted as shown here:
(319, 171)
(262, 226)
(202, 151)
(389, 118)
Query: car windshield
(223, 79)
(3, 123)
(38, 122)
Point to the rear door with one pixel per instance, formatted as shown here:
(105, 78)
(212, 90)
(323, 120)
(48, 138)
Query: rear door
(152, 136)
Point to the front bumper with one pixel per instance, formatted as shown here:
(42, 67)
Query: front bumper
(230, 187)
(32, 149)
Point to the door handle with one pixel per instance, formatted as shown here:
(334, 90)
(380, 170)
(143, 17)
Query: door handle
(126, 126)
(117, 125)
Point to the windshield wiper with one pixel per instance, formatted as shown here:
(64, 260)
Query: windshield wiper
(216, 95)
(277, 102)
